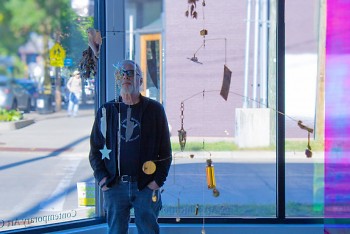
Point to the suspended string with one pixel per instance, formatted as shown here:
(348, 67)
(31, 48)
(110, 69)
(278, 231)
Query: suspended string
(113, 16)
(203, 212)
(203, 5)
(116, 99)
(237, 94)
(163, 159)
(203, 104)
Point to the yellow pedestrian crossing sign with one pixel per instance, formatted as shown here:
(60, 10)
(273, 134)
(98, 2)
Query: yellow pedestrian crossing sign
(57, 55)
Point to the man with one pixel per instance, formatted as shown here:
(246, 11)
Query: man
(131, 154)
(74, 86)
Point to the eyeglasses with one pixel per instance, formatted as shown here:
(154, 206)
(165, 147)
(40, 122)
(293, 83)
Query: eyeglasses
(128, 73)
(120, 73)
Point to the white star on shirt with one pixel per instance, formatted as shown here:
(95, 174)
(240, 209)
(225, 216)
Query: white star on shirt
(105, 152)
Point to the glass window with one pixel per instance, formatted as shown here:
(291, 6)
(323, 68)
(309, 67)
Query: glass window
(144, 25)
(213, 66)
(304, 102)
(44, 169)
(217, 92)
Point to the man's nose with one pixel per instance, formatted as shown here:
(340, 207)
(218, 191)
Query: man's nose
(125, 76)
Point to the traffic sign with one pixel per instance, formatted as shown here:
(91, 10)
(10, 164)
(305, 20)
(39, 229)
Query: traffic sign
(68, 62)
(57, 55)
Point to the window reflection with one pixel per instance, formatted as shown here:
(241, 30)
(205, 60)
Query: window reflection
(44, 167)
(304, 175)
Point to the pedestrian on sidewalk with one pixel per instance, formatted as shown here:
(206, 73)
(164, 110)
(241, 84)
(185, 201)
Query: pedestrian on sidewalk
(130, 154)
(74, 86)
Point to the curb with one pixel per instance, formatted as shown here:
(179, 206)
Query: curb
(15, 124)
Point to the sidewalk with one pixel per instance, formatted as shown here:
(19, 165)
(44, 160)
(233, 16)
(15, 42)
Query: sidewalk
(50, 132)
(56, 132)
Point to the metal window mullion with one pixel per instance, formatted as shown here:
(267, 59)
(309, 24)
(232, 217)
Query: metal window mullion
(280, 84)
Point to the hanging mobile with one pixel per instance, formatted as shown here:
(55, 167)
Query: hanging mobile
(216, 192)
(203, 32)
(211, 178)
(149, 167)
(210, 175)
(196, 209)
(182, 132)
(308, 151)
(154, 197)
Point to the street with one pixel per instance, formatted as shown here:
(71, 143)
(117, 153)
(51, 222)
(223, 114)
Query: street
(42, 163)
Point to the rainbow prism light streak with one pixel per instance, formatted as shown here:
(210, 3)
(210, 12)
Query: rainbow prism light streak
(337, 111)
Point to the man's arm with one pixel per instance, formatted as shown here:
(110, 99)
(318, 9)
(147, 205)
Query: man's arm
(165, 152)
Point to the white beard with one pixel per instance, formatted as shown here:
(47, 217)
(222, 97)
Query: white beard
(127, 92)
(126, 98)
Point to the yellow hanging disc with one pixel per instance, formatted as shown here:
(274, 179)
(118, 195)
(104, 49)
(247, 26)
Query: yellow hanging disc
(149, 167)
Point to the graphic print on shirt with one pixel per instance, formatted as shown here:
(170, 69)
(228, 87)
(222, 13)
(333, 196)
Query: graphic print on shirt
(130, 128)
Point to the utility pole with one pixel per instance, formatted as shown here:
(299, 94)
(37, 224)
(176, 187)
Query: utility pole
(256, 52)
(58, 81)
(246, 63)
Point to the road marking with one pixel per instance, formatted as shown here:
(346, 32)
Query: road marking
(56, 201)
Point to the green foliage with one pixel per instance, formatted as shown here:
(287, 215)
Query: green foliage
(290, 145)
(54, 19)
(10, 41)
(19, 68)
(75, 37)
(10, 115)
(209, 146)
(91, 213)
(300, 145)
(3, 70)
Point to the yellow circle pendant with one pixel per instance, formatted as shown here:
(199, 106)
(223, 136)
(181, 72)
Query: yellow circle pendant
(154, 198)
(149, 167)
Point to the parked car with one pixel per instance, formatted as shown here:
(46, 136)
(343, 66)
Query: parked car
(13, 96)
(32, 88)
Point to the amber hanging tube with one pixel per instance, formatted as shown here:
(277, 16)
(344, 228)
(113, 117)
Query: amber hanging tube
(210, 175)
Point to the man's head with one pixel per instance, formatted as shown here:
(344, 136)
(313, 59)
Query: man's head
(128, 77)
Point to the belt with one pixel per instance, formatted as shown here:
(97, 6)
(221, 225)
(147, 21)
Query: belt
(127, 178)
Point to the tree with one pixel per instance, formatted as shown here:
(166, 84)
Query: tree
(53, 19)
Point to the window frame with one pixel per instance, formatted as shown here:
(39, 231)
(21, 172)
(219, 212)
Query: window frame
(101, 84)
